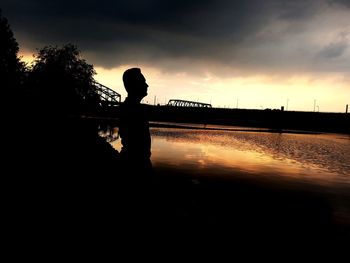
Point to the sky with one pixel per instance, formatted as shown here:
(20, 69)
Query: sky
(249, 54)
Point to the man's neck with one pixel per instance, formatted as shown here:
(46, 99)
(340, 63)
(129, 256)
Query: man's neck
(133, 100)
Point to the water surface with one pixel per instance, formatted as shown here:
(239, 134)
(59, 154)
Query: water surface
(316, 158)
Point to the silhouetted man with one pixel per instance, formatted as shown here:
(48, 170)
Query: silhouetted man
(134, 127)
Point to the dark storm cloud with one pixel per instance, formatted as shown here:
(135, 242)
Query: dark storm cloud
(333, 50)
(250, 33)
(134, 21)
(345, 3)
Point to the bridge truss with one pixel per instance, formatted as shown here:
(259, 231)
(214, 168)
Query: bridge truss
(186, 103)
(108, 96)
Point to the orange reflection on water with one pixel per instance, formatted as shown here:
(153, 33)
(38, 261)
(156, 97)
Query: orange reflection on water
(319, 158)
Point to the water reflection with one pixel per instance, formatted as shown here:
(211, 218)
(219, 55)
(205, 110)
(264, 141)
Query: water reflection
(321, 158)
(111, 134)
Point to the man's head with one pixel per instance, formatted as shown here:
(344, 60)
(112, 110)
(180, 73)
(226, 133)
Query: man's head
(135, 83)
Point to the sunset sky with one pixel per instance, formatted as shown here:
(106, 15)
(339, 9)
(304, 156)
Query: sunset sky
(252, 54)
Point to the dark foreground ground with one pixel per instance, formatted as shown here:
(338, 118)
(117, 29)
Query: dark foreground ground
(174, 211)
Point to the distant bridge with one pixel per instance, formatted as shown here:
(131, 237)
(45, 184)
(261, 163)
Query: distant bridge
(108, 96)
(186, 103)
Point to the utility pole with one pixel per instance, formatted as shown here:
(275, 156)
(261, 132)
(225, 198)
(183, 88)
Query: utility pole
(287, 104)
(155, 97)
(237, 104)
(314, 105)
(347, 107)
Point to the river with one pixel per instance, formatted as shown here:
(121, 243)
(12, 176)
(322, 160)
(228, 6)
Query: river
(322, 159)
(294, 162)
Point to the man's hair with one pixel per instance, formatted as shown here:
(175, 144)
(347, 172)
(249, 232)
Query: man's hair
(130, 76)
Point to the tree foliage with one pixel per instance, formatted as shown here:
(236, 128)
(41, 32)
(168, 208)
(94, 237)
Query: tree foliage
(62, 77)
(59, 80)
(11, 68)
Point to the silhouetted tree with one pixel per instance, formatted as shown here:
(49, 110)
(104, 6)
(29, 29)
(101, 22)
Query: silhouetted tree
(62, 81)
(11, 68)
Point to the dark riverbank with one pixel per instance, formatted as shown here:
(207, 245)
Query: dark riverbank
(272, 119)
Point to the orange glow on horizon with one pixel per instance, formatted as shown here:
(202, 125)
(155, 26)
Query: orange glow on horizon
(296, 92)
(330, 91)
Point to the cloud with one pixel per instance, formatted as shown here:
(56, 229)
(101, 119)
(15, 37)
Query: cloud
(333, 50)
(223, 36)
(345, 3)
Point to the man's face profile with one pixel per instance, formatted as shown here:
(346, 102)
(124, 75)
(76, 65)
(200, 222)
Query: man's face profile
(135, 83)
(142, 85)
